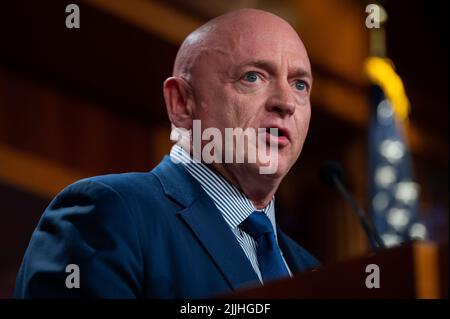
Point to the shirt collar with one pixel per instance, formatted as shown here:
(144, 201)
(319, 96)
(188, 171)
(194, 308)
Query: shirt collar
(231, 202)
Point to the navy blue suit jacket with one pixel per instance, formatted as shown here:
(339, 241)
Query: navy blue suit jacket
(140, 235)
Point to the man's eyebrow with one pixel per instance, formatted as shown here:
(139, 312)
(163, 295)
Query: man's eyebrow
(267, 65)
(271, 67)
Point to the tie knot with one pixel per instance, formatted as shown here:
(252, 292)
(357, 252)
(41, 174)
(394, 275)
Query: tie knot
(257, 224)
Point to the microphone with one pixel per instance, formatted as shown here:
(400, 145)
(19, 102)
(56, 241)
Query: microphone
(332, 174)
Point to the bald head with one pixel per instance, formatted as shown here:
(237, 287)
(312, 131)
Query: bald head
(245, 69)
(230, 29)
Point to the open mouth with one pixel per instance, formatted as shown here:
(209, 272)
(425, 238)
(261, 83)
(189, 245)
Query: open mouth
(277, 135)
(276, 132)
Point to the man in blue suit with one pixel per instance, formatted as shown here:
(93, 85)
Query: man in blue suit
(192, 227)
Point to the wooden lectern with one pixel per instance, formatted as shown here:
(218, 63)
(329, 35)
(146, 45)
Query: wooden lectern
(417, 270)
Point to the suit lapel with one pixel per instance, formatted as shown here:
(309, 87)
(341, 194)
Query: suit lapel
(215, 235)
(207, 223)
(288, 254)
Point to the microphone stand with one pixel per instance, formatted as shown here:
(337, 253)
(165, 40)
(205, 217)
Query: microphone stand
(375, 240)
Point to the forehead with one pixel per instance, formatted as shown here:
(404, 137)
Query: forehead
(236, 49)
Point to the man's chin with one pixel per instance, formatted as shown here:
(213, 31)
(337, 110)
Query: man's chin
(276, 168)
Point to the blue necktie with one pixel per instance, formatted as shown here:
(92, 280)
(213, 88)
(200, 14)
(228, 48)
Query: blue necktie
(271, 264)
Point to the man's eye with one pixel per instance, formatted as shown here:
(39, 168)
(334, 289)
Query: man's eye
(300, 85)
(251, 77)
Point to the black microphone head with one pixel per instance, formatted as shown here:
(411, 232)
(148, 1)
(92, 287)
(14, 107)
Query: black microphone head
(328, 169)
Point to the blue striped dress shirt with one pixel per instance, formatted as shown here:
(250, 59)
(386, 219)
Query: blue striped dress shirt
(232, 203)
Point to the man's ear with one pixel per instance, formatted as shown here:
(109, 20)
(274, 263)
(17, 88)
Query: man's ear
(177, 96)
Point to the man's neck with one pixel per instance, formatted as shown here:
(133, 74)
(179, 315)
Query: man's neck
(259, 189)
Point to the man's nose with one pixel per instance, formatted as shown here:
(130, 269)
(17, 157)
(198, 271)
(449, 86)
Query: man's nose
(281, 100)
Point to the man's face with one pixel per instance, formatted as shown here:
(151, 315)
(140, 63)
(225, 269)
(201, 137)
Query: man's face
(257, 80)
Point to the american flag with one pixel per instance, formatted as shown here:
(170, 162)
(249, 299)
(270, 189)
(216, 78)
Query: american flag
(393, 192)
